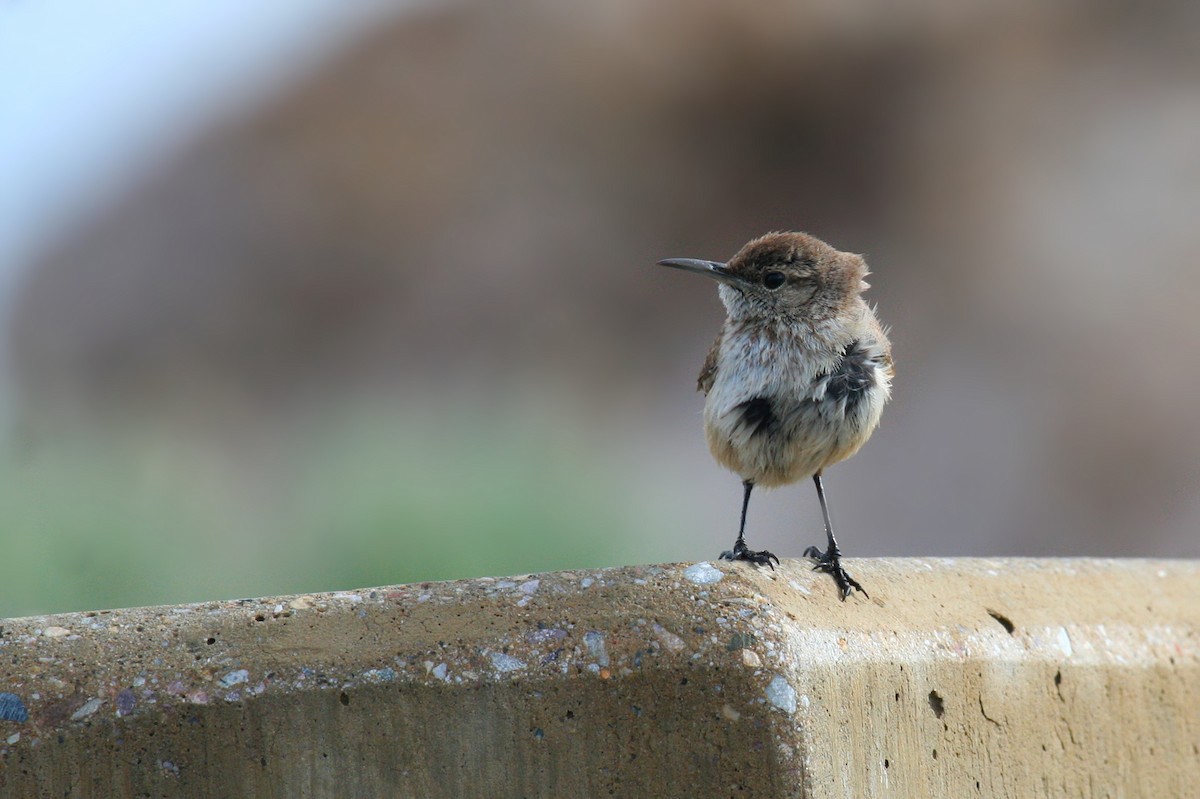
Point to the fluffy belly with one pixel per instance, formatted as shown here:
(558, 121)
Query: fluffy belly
(778, 440)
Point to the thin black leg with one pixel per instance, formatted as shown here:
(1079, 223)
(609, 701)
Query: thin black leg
(832, 542)
(747, 487)
(830, 560)
(740, 551)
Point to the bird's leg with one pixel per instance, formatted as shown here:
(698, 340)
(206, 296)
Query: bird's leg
(740, 551)
(830, 560)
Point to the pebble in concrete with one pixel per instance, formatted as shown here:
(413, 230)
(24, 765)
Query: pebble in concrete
(781, 694)
(703, 574)
(12, 708)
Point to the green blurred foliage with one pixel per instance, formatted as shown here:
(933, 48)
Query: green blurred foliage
(358, 499)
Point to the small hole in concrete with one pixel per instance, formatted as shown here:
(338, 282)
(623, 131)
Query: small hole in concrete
(1005, 622)
(344, 698)
(886, 764)
(211, 641)
(1058, 678)
(935, 702)
(935, 754)
(260, 617)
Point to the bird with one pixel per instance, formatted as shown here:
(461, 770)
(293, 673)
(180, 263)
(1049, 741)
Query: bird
(798, 376)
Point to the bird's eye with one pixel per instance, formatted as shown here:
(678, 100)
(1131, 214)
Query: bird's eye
(773, 280)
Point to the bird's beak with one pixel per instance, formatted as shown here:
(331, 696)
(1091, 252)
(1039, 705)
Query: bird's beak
(713, 269)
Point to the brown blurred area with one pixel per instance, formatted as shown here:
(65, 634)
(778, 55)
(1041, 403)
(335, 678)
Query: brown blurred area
(465, 208)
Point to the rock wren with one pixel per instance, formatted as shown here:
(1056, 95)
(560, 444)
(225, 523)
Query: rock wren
(798, 376)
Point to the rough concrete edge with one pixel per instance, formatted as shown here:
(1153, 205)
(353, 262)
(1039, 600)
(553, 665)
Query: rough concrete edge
(75, 668)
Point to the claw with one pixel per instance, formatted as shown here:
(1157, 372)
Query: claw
(830, 562)
(741, 552)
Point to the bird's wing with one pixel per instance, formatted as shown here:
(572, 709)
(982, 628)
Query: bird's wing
(863, 366)
(708, 372)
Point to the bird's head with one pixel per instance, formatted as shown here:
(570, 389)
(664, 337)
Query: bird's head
(790, 276)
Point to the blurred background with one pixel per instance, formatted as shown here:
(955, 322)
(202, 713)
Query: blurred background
(310, 295)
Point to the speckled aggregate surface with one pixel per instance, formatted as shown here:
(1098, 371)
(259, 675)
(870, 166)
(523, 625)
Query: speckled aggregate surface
(957, 677)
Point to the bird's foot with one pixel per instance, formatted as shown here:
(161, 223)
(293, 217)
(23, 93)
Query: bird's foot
(830, 562)
(741, 552)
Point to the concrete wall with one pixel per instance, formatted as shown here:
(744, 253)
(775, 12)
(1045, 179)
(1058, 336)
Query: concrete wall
(956, 678)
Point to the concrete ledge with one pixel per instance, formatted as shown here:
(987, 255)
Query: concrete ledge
(957, 678)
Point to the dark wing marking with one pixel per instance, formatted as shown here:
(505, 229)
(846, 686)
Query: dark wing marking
(708, 372)
(756, 414)
(853, 374)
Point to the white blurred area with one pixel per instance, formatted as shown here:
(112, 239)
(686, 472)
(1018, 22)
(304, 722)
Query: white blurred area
(376, 269)
(94, 97)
